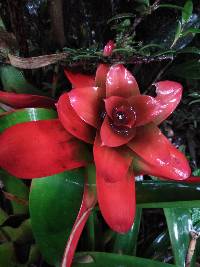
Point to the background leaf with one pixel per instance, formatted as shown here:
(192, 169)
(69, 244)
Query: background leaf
(187, 70)
(187, 11)
(13, 80)
(99, 259)
(127, 243)
(179, 224)
(7, 255)
(54, 205)
(160, 194)
(17, 188)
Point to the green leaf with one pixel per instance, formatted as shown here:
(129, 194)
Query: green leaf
(177, 34)
(13, 80)
(158, 247)
(165, 29)
(191, 30)
(187, 11)
(143, 2)
(7, 255)
(179, 226)
(92, 222)
(100, 259)
(187, 70)
(127, 243)
(170, 6)
(21, 234)
(160, 194)
(194, 102)
(16, 187)
(25, 115)
(54, 205)
(192, 50)
(195, 216)
(3, 216)
(196, 172)
(34, 255)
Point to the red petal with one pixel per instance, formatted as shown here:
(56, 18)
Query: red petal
(101, 74)
(79, 80)
(87, 103)
(115, 186)
(38, 149)
(117, 202)
(108, 48)
(145, 108)
(26, 101)
(120, 82)
(111, 138)
(158, 156)
(88, 202)
(112, 102)
(143, 105)
(112, 163)
(168, 96)
(72, 122)
(171, 171)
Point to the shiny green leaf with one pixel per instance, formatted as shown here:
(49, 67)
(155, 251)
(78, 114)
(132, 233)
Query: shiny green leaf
(159, 246)
(179, 224)
(13, 80)
(177, 34)
(100, 259)
(143, 2)
(187, 11)
(163, 194)
(127, 243)
(92, 223)
(191, 30)
(54, 204)
(195, 216)
(25, 115)
(17, 188)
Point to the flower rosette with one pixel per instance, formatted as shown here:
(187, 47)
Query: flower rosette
(108, 112)
(122, 123)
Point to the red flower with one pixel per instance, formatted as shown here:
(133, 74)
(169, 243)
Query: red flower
(122, 124)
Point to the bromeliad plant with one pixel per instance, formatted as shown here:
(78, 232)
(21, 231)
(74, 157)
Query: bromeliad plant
(109, 113)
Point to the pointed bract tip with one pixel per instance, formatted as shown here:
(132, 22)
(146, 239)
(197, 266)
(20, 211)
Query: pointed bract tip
(108, 48)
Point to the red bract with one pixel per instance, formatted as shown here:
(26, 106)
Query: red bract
(26, 101)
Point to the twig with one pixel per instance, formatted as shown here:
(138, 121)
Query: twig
(158, 76)
(36, 62)
(69, 59)
(194, 236)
